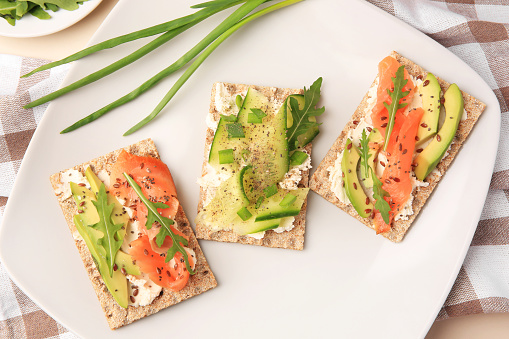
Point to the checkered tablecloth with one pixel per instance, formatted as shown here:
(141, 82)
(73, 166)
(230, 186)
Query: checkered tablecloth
(477, 31)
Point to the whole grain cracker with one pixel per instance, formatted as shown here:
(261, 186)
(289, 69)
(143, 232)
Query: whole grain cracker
(117, 316)
(320, 182)
(293, 239)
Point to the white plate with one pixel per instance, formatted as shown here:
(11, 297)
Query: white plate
(347, 282)
(29, 26)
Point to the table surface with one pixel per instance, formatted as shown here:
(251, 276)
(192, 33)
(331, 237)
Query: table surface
(74, 38)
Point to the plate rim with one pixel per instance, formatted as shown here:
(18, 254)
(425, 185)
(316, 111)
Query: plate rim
(459, 260)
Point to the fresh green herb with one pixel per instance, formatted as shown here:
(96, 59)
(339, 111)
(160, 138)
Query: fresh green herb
(229, 118)
(109, 230)
(364, 150)
(226, 156)
(256, 116)
(298, 158)
(379, 194)
(301, 123)
(396, 95)
(12, 10)
(165, 230)
(239, 101)
(270, 190)
(235, 130)
(201, 58)
(150, 31)
(288, 200)
(237, 15)
(259, 202)
(212, 40)
(244, 213)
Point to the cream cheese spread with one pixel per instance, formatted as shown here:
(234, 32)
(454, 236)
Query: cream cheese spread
(142, 289)
(225, 104)
(66, 177)
(294, 175)
(211, 179)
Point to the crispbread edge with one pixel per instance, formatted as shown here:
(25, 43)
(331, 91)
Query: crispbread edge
(293, 239)
(117, 316)
(320, 180)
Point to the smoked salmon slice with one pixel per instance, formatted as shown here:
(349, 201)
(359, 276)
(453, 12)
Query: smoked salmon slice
(396, 178)
(386, 71)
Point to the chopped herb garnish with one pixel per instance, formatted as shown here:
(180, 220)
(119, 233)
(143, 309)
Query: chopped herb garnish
(226, 156)
(270, 190)
(235, 130)
(259, 202)
(301, 123)
(396, 95)
(229, 118)
(178, 241)
(244, 213)
(298, 158)
(288, 200)
(256, 116)
(239, 101)
(105, 225)
(378, 194)
(364, 150)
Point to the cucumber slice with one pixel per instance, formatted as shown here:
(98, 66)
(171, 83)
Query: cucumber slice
(271, 208)
(221, 211)
(268, 147)
(250, 226)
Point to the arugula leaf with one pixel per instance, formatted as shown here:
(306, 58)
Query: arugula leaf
(105, 225)
(69, 5)
(364, 150)
(12, 10)
(378, 194)
(165, 230)
(301, 123)
(399, 82)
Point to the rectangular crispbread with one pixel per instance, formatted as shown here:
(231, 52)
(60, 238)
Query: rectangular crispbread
(117, 316)
(293, 239)
(321, 184)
